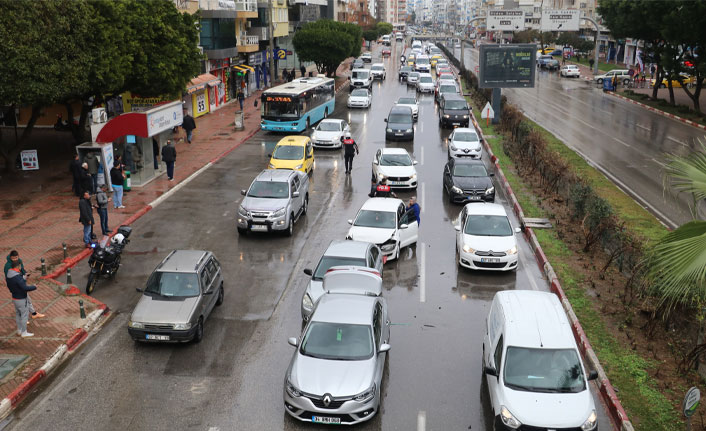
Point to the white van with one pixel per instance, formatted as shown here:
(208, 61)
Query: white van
(360, 78)
(386, 40)
(417, 44)
(534, 372)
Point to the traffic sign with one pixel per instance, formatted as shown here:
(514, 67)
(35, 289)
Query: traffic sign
(560, 20)
(505, 20)
(487, 112)
(281, 54)
(691, 402)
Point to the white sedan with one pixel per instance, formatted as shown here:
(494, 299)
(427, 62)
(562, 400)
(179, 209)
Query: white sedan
(570, 70)
(377, 71)
(464, 142)
(412, 102)
(397, 166)
(329, 133)
(359, 98)
(485, 239)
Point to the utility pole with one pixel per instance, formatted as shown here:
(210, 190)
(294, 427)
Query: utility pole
(271, 49)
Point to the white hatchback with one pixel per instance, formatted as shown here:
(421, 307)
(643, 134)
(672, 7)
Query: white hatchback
(329, 133)
(425, 83)
(397, 166)
(464, 142)
(359, 98)
(485, 239)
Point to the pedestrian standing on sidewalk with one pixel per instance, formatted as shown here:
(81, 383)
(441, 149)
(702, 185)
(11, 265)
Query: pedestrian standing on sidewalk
(86, 179)
(241, 97)
(14, 256)
(590, 63)
(117, 177)
(75, 169)
(92, 161)
(302, 69)
(102, 200)
(169, 157)
(292, 74)
(350, 149)
(188, 124)
(18, 288)
(86, 217)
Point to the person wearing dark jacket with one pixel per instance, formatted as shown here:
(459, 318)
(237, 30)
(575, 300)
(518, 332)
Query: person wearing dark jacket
(350, 149)
(75, 169)
(382, 190)
(302, 69)
(189, 125)
(86, 217)
(116, 180)
(92, 161)
(14, 256)
(86, 179)
(18, 287)
(169, 157)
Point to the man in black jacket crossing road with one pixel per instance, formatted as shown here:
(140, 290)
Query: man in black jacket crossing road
(350, 149)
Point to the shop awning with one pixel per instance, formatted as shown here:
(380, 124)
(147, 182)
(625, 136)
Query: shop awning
(247, 67)
(201, 81)
(144, 124)
(240, 68)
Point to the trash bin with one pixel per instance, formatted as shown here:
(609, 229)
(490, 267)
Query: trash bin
(126, 182)
(239, 125)
(608, 85)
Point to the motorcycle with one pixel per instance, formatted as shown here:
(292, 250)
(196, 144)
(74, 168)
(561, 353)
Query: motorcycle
(60, 125)
(105, 259)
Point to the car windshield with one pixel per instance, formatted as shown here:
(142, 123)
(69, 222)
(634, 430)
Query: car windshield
(488, 225)
(455, 104)
(280, 107)
(338, 341)
(465, 137)
(399, 118)
(269, 190)
(329, 126)
(378, 219)
(470, 171)
(447, 88)
(413, 75)
(173, 284)
(327, 262)
(360, 74)
(395, 160)
(288, 152)
(360, 92)
(543, 370)
(426, 80)
(422, 60)
(377, 67)
(406, 101)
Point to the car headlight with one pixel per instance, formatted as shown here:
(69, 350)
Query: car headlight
(280, 212)
(590, 422)
(292, 390)
(513, 250)
(453, 147)
(465, 116)
(136, 325)
(298, 166)
(271, 166)
(468, 249)
(307, 303)
(446, 115)
(182, 326)
(413, 176)
(508, 419)
(409, 130)
(366, 396)
(243, 212)
(456, 189)
(388, 245)
(490, 190)
(389, 130)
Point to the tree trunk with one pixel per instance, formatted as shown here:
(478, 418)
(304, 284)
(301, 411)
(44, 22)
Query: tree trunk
(671, 90)
(658, 81)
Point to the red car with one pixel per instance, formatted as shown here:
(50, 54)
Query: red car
(386, 52)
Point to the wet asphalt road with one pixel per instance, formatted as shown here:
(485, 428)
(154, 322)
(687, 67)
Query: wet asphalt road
(233, 378)
(626, 142)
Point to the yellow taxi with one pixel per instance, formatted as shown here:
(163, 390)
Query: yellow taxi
(434, 59)
(293, 152)
(545, 51)
(686, 79)
(410, 59)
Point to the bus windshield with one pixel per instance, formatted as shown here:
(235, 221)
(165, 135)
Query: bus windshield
(281, 107)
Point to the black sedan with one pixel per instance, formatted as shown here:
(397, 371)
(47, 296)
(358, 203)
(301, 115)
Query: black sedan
(467, 180)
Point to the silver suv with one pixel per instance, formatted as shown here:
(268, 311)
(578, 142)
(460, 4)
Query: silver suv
(275, 200)
(179, 296)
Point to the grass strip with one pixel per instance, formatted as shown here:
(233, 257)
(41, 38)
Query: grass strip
(661, 104)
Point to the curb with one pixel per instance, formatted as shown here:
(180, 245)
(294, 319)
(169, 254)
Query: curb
(660, 112)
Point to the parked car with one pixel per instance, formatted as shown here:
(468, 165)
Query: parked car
(403, 72)
(485, 239)
(467, 180)
(377, 71)
(274, 202)
(329, 132)
(425, 83)
(454, 111)
(359, 98)
(530, 353)
(338, 253)
(412, 102)
(400, 123)
(293, 152)
(686, 79)
(623, 76)
(180, 295)
(570, 70)
(397, 166)
(387, 223)
(464, 142)
(367, 57)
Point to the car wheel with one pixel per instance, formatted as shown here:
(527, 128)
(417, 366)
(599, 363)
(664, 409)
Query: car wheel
(626, 81)
(397, 252)
(662, 86)
(600, 80)
(242, 231)
(219, 301)
(306, 204)
(326, 113)
(198, 336)
(290, 228)
(308, 122)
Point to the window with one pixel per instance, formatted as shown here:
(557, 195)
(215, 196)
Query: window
(296, 183)
(205, 279)
(377, 324)
(212, 268)
(374, 253)
(498, 354)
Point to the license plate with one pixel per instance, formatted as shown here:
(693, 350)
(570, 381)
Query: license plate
(396, 183)
(398, 134)
(259, 228)
(473, 198)
(490, 260)
(325, 420)
(456, 124)
(157, 337)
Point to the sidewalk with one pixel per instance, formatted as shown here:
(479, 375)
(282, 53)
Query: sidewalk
(41, 213)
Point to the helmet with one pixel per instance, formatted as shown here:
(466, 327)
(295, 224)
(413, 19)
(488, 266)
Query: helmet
(117, 239)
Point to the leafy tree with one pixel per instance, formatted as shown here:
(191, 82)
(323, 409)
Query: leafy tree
(383, 28)
(327, 43)
(370, 35)
(526, 36)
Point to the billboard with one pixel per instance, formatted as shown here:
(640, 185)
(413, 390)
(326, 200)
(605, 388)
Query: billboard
(507, 66)
(505, 20)
(560, 20)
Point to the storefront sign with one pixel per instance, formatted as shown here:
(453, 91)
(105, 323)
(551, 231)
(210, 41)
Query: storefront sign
(30, 162)
(164, 118)
(256, 58)
(200, 102)
(218, 63)
(134, 103)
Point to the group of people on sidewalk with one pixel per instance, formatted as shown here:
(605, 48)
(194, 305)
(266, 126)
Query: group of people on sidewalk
(16, 281)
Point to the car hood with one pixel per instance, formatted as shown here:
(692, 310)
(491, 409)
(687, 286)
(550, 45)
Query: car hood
(414, 108)
(426, 84)
(555, 410)
(471, 145)
(370, 234)
(156, 309)
(488, 243)
(472, 182)
(448, 111)
(338, 378)
(326, 136)
(286, 164)
(358, 98)
(398, 126)
(397, 171)
(263, 204)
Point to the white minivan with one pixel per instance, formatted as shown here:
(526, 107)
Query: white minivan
(360, 78)
(533, 369)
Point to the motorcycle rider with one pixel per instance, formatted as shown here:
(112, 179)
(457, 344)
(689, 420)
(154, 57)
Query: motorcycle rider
(402, 59)
(350, 149)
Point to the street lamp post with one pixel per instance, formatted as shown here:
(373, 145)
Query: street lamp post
(595, 50)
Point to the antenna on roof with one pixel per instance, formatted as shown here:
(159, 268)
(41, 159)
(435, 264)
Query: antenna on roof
(541, 344)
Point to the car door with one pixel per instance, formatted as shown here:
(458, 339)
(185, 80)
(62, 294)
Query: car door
(379, 333)
(448, 182)
(206, 286)
(460, 222)
(296, 201)
(376, 257)
(409, 235)
(494, 381)
(214, 273)
(309, 156)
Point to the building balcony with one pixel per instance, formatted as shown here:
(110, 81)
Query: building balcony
(248, 43)
(246, 8)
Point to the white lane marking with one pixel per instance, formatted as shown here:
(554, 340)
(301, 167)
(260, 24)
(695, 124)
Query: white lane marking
(662, 164)
(524, 263)
(421, 127)
(643, 127)
(677, 141)
(421, 420)
(422, 197)
(176, 188)
(422, 267)
(421, 156)
(622, 142)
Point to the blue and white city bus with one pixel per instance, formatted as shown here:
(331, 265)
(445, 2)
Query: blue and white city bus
(296, 105)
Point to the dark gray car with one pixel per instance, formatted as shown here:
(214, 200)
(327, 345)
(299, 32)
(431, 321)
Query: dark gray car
(453, 111)
(400, 123)
(180, 295)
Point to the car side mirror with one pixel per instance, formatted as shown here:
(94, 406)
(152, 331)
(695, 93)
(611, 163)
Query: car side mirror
(293, 341)
(415, 162)
(308, 272)
(350, 222)
(491, 174)
(243, 192)
(404, 226)
(457, 227)
(209, 292)
(487, 370)
(593, 375)
(518, 230)
(384, 348)
(386, 120)
(295, 194)
(269, 155)
(139, 289)
(375, 162)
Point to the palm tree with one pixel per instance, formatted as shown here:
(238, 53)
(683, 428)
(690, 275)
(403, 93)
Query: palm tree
(676, 266)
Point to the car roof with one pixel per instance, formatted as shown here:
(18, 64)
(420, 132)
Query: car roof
(466, 161)
(331, 120)
(535, 319)
(379, 64)
(483, 208)
(425, 74)
(275, 175)
(347, 248)
(382, 204)
(447, 82)
(453, 96)
(183, 261)
(401, 109)
(344, 308)
(393, 151)
(293, 140)
(464, 129)
(361, 69)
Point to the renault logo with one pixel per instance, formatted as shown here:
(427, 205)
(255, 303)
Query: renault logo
(327, 400)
